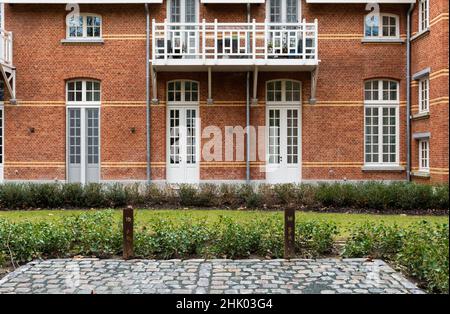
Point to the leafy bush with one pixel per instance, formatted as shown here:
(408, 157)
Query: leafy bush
(96, 233)
(425, 253)
(314, 238)
(166, 239)
(422, 250)
(374, 240)
(27, 241)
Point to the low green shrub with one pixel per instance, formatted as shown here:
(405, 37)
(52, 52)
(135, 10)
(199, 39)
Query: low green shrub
(314, 239)
(421, 250)
(73, 195)
(14, 196)
(374, 240)
(94, 195)
(425, 254)
(99, 234)
(372, 195)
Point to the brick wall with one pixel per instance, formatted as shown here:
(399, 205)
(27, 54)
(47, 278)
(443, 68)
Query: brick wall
(431, 50)
(332, 130)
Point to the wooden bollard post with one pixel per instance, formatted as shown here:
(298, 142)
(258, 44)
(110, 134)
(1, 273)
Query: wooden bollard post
(128, 221)
(289, 233)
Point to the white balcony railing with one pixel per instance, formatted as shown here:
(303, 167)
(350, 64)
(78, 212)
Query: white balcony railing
(220, 41)
(6, 47)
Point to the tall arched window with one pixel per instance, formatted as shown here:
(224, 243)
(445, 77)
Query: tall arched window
(283, 91)
(381, 122)
(182, 91)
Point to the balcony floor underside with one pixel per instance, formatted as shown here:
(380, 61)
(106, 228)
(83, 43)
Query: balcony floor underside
(233, 65)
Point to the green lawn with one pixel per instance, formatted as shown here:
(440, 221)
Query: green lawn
(344, 221)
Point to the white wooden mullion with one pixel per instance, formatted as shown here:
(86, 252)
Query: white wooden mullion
(83, 144)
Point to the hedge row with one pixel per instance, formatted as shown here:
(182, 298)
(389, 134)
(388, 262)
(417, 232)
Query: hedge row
(99, 234)
(422, 250)
(372, 195)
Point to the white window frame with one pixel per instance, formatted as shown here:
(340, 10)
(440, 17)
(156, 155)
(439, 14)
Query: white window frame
(424, 155)
(85, 27)
(424, 24)
(283, 92)
(83, 102)
(382, 104)
(183, 11)
(380, 27)
(284, 11)
(183, 93)
(2, 15)
(424, 95)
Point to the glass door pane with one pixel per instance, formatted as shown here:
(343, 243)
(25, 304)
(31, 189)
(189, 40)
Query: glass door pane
(174, 136)
(191, 140)
(75, 136)
(92, 136)
(274, 136)
(292, 136)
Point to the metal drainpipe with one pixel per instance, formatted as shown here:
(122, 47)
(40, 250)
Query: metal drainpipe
(408, 92)
(247, 109)
(147, 96)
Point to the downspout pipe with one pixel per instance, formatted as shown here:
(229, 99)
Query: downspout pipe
(147, 94)
(408, 92)
(247, 111)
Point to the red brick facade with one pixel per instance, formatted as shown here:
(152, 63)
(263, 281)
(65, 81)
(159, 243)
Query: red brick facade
(332, 142)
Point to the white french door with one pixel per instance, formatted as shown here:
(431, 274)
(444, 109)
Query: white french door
(184, 39)
(83, 144)
(183, 145)
(283, 145)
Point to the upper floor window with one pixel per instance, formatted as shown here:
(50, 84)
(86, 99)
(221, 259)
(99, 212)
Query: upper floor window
(86, 25)
(182, 91)
(424, 15)
(424, 95)
(424, 155)
(83, 91)
(183, 11)
(2, 15)
(381, 122)
(283, 91)
(283, 11)
(381, 25)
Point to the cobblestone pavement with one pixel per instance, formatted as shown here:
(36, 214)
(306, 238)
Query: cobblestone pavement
(206, 276)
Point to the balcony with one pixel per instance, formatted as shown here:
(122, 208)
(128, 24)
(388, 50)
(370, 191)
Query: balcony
(7, 68)
(234, 46)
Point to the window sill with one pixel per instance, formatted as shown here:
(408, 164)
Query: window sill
(82, 41)
(420, 116)
(420, 34)
(420, 174)
(367, 40)
(383, 168)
